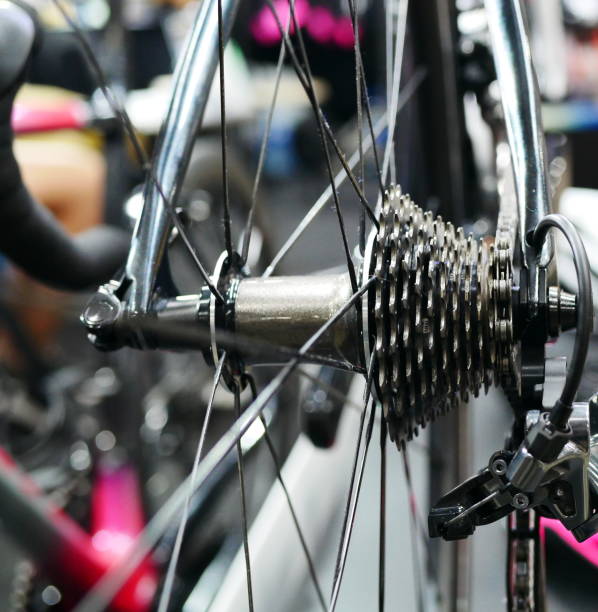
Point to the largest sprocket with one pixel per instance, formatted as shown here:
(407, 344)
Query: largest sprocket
(441, 314)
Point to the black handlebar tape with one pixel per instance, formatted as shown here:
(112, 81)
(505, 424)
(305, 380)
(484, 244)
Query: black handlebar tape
(33, 239)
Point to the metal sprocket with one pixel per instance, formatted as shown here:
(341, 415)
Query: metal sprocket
(442, 316)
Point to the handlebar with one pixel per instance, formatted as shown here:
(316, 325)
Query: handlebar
(29, 234)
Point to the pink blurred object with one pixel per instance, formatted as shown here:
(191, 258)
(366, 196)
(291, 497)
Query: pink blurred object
(71, 115)
(319, 21)
(588, 549)
(321, 25)
(116, 521)
(264, 26)
(343, 33)
(72, 559)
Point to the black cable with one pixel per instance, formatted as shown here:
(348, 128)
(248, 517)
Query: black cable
(561, 411)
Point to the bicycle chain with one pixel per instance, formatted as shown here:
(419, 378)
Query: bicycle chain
(442, 315)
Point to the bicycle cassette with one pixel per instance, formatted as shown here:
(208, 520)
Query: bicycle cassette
(440, 317)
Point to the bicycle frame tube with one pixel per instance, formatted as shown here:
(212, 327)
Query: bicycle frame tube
(72, 558)
(192, 82)
(521, 106)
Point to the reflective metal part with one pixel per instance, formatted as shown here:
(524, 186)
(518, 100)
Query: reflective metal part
(366, 269)
(287, 310)
(555, 372)
(524, 577)
(499, 467)
(521, 108)
(192, 82)
(562, 311)
(590, 527)
(558, 488)
(520, 501)
(442, 313)
(569, 471)
(212, 315)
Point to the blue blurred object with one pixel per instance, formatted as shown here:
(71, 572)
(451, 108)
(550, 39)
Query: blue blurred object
(571, 116)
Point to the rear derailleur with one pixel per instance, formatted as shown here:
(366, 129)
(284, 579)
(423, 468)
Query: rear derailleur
(552, 471)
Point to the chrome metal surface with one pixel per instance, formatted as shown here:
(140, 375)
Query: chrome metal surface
(442, 312)
(366, 270)
(555, 373)
(523, 566)
(521, 108)
(287, 310)
(571, 466)
(562, 310)
(216, 278)
(192, 81)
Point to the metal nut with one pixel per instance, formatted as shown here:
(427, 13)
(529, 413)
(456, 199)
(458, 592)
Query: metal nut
(499, 467)
(520, 501)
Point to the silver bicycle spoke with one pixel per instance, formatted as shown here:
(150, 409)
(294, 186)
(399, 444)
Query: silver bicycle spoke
(394, 64)
(311, 94)
(109, 585)
(278, 467)
(363, 410)
(419, 521)
(382, 534)
(228, 240)
(406, 94)
(320, 118)
(368, 114)
(360, 77)
(362, 98)
(417, 516)
(389, 20)
(174, 557)
(346, 540)
(430, 559)
(190, 248)
(397, 66)
(123, 117)
(263, 149)
(310, 563)
(244, 527)
(413, 531)
(343, 397)
(359, 104)
(388, 47)
(322, 201)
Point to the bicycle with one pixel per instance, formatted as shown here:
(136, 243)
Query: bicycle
(427, 315)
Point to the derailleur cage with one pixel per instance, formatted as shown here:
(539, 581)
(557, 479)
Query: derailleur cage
(550, 472)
